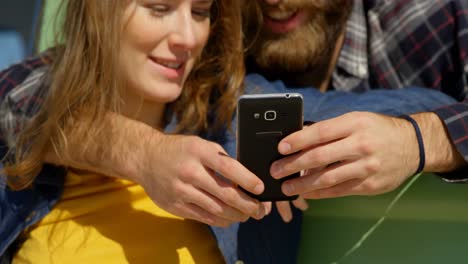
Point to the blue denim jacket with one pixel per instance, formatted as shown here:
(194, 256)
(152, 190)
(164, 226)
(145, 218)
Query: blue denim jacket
(21, 209)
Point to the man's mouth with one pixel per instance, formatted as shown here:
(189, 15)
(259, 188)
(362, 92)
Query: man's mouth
(279, 15)
(283, 21)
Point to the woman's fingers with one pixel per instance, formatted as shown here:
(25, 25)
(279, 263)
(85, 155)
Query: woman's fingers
(301, 203)
(284, 210)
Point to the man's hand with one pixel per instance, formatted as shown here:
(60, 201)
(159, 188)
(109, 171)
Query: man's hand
(359, 154)
(180, 175)
(178, 172)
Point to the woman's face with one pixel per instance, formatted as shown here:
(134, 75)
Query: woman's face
(161, 40)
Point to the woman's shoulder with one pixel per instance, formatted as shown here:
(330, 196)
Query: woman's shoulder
(17, 74)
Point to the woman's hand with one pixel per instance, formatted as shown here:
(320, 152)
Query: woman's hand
(180, 176)
(285, 211)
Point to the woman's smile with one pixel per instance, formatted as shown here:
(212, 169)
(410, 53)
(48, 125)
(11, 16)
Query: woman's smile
(172, 69)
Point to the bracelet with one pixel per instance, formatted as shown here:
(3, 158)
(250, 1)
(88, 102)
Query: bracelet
(422, 155)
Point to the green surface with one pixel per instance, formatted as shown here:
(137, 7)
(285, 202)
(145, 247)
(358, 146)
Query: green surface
(428, 225)
(49, 24)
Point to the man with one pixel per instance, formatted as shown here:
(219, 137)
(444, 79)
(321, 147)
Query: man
(387, 44)
(400, 53)
(325, 66)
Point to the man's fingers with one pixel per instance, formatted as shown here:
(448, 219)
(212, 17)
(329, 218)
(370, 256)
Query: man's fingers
(315, 134)
(197, 213)
(329, 177)
(230, 195)
(216, 207)
(317, 157)
(351, 187)
(232, 170)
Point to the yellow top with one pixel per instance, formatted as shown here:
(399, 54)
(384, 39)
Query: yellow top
(106, 220)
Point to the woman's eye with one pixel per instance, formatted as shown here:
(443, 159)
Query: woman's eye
(202, 12)
(159, 9)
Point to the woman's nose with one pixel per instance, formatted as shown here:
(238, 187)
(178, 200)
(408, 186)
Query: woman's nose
(183, 36)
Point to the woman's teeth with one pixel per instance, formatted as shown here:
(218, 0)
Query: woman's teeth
(172, 65)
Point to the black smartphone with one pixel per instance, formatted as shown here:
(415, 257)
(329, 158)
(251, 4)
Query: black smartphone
(263, 120)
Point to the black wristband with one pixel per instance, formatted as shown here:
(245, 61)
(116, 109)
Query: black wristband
(422, 155)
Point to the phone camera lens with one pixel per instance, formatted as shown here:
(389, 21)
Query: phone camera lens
(270, 115)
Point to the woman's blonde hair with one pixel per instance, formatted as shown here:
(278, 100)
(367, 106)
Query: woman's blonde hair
(84, 82)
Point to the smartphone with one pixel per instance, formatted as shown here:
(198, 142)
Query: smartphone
(263, 120)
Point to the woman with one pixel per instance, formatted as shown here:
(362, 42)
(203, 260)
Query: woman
(150, 61)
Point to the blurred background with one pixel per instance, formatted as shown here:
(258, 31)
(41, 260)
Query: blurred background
(19, 21)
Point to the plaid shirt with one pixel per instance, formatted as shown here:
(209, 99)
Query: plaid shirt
(388, 44)
(20, 97)
(400, 43)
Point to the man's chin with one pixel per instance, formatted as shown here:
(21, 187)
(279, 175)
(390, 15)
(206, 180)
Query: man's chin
(281, 69)
(292, 63)
(287, 55)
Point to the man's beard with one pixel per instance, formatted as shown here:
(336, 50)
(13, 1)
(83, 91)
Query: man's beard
(308, 48)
